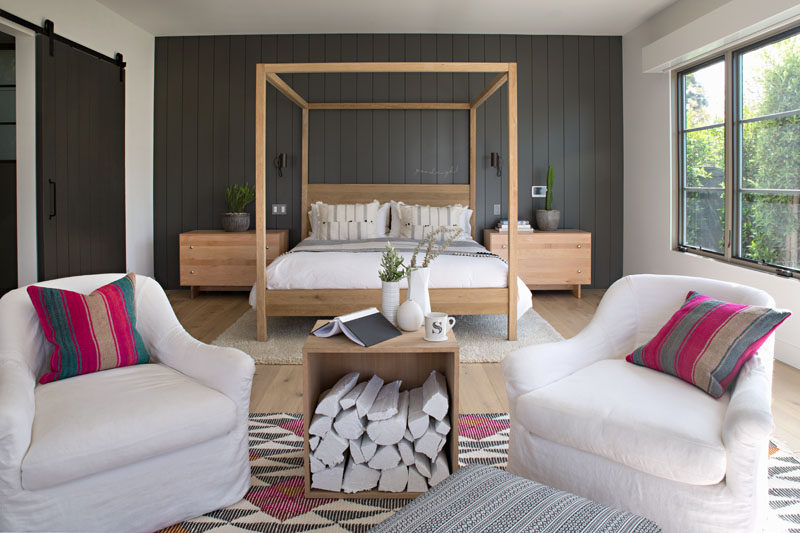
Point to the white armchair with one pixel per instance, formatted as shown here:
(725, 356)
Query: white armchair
(129, 449)
(586, 421)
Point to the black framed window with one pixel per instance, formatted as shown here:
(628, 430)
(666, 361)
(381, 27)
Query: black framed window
(743, 206)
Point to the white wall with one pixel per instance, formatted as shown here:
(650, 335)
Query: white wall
(648, 191)
(95, 26)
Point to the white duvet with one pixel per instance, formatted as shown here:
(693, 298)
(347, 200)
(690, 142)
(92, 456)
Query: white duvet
(344, 270)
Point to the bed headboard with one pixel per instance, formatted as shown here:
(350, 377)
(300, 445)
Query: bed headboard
(437, 194)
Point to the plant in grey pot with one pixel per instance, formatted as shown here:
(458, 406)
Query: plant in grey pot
(238, 197)
(547, 219)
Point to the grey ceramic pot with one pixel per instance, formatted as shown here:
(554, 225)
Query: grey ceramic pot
(547, 220)
(236, 221)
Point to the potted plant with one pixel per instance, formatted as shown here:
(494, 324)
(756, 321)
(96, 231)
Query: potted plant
(418, 277)
(391, 274)
(547, 219)
(238, 197)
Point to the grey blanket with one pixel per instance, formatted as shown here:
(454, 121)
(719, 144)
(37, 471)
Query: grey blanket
(466, 248)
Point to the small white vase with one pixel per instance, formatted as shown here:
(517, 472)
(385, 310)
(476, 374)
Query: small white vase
(418, 288)
(390, 300)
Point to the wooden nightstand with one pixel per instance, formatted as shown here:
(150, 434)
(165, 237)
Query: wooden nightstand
(217, 260)
(548, 259)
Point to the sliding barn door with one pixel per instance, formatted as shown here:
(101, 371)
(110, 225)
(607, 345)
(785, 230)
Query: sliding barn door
(80, 162)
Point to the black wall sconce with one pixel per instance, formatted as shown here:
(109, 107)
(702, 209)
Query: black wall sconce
(496, 161)
(280, 163)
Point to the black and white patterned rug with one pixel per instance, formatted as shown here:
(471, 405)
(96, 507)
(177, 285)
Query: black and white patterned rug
(275, 501)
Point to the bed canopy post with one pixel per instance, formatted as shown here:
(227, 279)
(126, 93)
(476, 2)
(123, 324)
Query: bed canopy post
(261, 202)
(512, 201)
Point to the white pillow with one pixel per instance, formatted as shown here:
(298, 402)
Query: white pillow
(394, 228)
(417, 221)
(382, 220)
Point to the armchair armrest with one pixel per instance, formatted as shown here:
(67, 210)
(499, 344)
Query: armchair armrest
(17, 408)
(748, 420)
(228, 370)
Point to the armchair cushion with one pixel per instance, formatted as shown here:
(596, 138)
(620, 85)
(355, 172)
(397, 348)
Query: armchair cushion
(89, 332)
(97, 422)
(646, 420)
(707, 341)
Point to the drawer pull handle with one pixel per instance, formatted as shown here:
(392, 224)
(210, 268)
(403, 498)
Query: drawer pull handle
(503, 246)
(579, 246)
(191, 272)
(579, 271)
(191, 246)
(268, 247)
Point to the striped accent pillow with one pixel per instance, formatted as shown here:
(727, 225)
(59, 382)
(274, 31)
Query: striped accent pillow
(707, 341)
(90, 332)
(416, 221)
(348, 221)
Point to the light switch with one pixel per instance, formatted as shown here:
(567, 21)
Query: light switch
(278, 209)
(496, 209)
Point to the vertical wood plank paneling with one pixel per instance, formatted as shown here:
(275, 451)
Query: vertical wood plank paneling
(602, 196)
(460, 118)
(569, 103)
(586, 140)
(524, 126)
(205, 132)
(494, 135)
(300, 84)
(284, 118)
(476, 84)
(160, 156)
(220, 137)
(397, 93)
(174, 161)
(508, 53)
(413, 118)
(333, 131)
(348, 125)
(540, 115)
(189, 134)
(571, 174)
(364, 118)
(444, 119)
(555, 119)
(269, 54)
(615, 137)
(316, 124)
(428, 137)
(380, 119)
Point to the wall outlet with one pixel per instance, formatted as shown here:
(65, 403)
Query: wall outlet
(278, 209)
(496, 209)
(538, 191)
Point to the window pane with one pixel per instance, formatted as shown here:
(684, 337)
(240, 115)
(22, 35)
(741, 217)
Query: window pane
(770, 227)
(7, 67)
(704, 219)
(705, 157)
(771, 154)
(771, 78)
(704, 96)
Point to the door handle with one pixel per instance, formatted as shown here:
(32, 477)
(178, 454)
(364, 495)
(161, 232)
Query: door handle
(52, 199)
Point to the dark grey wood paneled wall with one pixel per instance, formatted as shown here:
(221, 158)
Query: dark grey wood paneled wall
(570, 116)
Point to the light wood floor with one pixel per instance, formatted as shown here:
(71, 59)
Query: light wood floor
(278, 388)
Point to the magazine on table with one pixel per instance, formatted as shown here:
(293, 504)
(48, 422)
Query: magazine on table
(365, 328)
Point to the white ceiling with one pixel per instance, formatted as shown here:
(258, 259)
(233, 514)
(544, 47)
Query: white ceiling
(230, 17)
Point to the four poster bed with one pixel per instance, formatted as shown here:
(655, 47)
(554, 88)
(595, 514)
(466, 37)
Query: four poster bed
(464, 300)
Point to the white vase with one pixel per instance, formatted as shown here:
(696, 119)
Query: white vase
(418, 288)
(390, 300)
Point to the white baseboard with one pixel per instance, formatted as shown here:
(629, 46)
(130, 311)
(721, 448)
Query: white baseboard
(787, 353)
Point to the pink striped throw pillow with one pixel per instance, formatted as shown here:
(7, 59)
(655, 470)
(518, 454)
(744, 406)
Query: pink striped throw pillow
(89, 332)
(707, 341)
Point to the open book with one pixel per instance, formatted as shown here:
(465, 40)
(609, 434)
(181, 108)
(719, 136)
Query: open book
(365, 327)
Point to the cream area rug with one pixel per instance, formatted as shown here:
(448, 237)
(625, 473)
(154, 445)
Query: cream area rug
(481, 338)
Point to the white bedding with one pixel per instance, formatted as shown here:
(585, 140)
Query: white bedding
(344, 270)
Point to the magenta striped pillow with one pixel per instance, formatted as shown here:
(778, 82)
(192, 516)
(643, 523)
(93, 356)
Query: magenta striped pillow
(707, 341)
(89, 332)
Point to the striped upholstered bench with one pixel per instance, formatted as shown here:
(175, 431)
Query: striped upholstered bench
(482, 499)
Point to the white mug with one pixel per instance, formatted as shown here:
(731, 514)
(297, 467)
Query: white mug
(437, 325)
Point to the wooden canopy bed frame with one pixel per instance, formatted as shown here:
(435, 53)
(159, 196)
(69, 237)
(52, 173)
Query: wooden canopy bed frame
(331, 302)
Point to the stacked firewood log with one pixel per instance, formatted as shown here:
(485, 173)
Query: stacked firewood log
(372, 435)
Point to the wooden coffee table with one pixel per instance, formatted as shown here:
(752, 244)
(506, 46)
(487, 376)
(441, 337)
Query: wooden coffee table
(408, 357)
